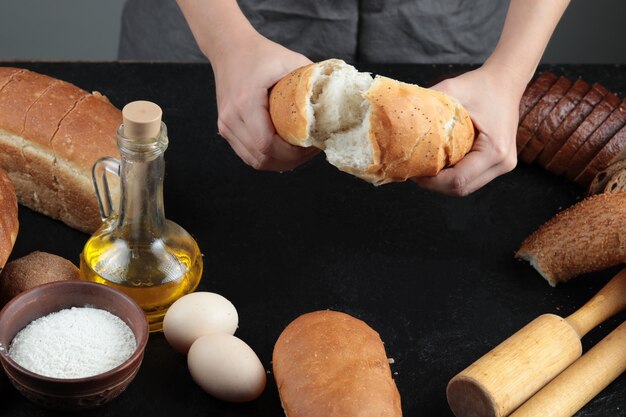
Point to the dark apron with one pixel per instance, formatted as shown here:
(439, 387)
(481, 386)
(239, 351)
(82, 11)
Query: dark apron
(386, 31)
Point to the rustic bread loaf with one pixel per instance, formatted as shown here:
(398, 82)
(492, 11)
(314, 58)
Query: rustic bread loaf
(571, 123)
(535, 117)
(330, 364)
(9, 224)
(34, 269)
(560, 161)
(535, 91)
(596, 141)
(51, 133)
(380, 130)
(611, 152)
(586, 237)
(553, 120)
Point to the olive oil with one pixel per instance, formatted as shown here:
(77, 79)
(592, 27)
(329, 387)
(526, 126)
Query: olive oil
(137, 250)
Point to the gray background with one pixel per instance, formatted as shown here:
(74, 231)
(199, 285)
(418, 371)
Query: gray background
(591, 31)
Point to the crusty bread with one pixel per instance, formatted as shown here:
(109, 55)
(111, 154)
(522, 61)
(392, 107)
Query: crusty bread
(560, 161)
(330, 364)
(535, 91)
(601, 180)
(9, 224)
(616, 183)
(380, 130)
(530, 124)
(615, 149)
(51, 133)
(34, 269)
(586, 237)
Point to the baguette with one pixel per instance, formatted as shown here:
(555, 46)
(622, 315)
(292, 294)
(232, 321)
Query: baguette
(9, 224)
(587, 237)
(380, 130)
(330, 364)
(51, 133)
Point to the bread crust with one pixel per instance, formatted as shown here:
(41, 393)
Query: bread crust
(51, 133)
(408, 125)
(330, 364)
(288, 104)
(9, 224)
(586, 237)
(614, 147)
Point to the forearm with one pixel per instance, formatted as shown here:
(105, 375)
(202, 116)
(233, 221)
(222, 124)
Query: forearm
(217, 25)
(527, 29)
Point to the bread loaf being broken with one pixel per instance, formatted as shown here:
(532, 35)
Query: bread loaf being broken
(377, 129)
(51, 133)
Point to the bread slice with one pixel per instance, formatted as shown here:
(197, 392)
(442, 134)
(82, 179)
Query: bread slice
(560, 162)
(553, 120)
(571, 122)
(586, 237)
(380, 130)
(535, 91)
(330, 364)
(533, 120)
(617, 182)
(602, 178)
(51, 133)
(9, 223)
(615, 149)
(596, 141)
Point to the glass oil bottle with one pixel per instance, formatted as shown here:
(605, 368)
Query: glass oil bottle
(137, 250)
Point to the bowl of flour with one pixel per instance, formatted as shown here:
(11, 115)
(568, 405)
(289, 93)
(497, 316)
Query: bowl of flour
(72, 345)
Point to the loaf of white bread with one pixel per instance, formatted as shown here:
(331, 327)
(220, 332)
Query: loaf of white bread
(9, 223)
(377, 129)
(330, 364)
(587, 237)
(51, 133)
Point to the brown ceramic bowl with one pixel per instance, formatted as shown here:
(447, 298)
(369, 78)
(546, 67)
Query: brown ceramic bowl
(76, 393)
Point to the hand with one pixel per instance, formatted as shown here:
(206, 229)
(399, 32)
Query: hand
(243, 76)
(491, 95)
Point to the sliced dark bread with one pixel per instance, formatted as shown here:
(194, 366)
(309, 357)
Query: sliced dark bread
(571, 122)
(542, 110)
(614, 150)
(560, 161)
(567, 104)
(535, 90)
(596, 141)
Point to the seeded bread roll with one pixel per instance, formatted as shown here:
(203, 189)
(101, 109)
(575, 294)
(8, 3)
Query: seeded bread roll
(34, 269)
(330, 364)
(587, 237)
(51, 133)
(380, 130)
(9, 224)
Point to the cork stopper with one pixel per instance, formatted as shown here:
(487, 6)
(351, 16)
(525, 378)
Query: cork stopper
(142, 120)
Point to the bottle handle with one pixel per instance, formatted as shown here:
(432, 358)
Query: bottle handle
(101, 183)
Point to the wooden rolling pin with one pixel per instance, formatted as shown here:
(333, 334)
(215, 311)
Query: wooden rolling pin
(504, 378)
(581, 381)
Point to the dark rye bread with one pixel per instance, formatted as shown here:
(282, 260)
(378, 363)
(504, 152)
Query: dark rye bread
(596, 142)
(560, 161)
(533, 120)
(571, 122)
(51, 133)
(611, 152)
(543, 135)
(535, 90)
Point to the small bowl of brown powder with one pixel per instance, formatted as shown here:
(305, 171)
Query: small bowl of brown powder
(72, 345)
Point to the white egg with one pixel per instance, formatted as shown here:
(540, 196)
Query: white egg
(198, 314)
(226, 367)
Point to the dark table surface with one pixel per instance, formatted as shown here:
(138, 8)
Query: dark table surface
(434, 275)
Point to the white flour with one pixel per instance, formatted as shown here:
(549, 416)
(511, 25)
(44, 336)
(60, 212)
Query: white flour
(73, 343)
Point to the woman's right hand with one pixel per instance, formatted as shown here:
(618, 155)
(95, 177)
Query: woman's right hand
(243, 76)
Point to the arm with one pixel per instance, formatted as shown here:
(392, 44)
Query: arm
(492, 94)
(245, 65)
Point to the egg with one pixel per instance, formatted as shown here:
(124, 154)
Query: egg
(226, 367)
(198, 314)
